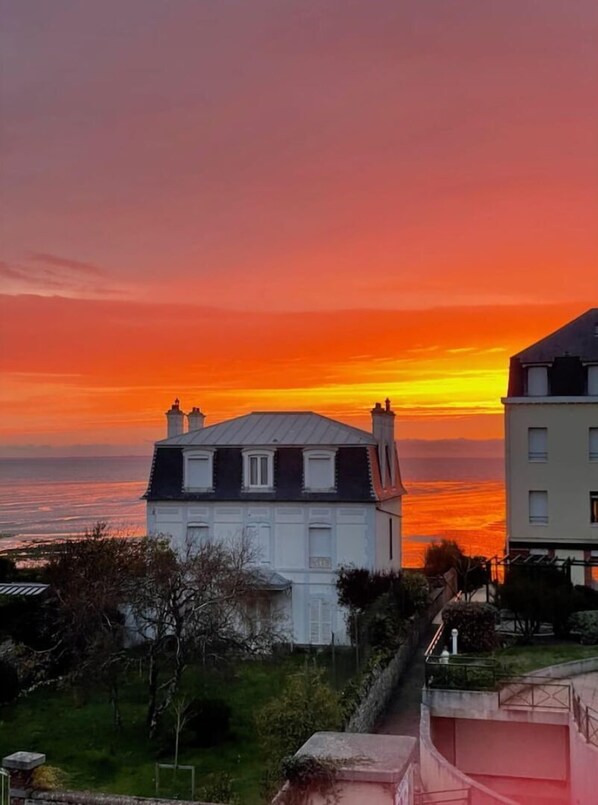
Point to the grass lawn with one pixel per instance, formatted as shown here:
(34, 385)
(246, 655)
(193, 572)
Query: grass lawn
(523, 659)
(78, 736)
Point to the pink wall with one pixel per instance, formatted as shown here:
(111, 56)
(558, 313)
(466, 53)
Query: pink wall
(513, 749)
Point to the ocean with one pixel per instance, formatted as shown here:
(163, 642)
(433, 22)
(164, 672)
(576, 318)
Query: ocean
(47, 499)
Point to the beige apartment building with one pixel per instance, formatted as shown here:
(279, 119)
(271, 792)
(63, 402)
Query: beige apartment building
(551, 444)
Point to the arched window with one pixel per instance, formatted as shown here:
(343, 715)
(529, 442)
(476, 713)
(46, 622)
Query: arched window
(258, 469)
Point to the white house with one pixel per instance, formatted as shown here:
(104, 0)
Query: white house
(551, 440)
(312, 493)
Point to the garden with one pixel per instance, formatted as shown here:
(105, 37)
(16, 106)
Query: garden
(202, 691)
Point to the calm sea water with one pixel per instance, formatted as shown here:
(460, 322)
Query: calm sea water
(51, 498)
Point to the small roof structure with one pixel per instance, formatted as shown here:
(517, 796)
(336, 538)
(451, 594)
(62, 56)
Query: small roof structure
(280, 428)
(369, 758)
(266, 579)
(28, 588)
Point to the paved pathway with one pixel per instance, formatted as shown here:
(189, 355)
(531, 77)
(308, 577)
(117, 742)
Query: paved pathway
(403, 713)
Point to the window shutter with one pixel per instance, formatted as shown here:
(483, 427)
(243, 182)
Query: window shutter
(537, 444)
(320, 621)
(198, 534)
(326, 622)
(314, 622)
(593, 381)
(320, 547)
(199, 473)
(320, 473)
(593, 444)
(538, 507)
(259, 534)
(537, 381)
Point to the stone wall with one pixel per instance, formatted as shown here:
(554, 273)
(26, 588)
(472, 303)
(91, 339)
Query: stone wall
(384, 680)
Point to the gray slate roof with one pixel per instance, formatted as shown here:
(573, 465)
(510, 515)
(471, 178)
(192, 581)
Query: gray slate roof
(283, 428)
(577, 338)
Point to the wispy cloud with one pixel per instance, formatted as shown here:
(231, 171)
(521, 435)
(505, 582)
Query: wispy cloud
(65, 263)
(46, 274)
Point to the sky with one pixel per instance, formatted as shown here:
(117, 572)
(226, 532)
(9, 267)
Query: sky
(287, 205)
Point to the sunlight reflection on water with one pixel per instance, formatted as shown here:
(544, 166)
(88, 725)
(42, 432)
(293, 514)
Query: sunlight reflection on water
(48, 499)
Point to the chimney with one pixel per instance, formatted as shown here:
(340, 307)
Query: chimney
(383, 428)
(176, 420)
(195, 419)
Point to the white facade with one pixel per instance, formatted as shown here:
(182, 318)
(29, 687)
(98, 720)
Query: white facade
(551, 447)
(303, 541)
(358, 535)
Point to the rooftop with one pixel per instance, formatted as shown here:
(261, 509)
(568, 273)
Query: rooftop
(369, 758)
(281, 428)
(578, 338)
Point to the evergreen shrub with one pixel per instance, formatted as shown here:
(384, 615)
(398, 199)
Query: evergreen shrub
(585, 624)
(9, 682)
(475, 623)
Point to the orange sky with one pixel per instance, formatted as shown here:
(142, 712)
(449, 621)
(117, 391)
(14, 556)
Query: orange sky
(288, 205)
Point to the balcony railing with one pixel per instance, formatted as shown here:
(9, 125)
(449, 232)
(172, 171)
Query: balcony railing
(586, 720)
(320, 562)
(528, 694)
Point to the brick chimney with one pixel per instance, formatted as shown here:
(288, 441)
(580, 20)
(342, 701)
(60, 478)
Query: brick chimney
(175, 419)
(383, 428)
(195, 418)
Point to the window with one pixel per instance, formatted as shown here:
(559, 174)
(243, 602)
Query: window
(593, 507)
(320, 547)
(390, 537)
(258, 469)
(199, 473)
(318, 470)
(537, 444)
(320, 621)
(593, 444)
(198, 534)
(537, 381)
(538, 507)
(593, 381)
(259, 534)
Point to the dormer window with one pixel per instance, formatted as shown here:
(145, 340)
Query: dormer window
(537, 381)
(199, 470)
(319, 470)
(258, 469)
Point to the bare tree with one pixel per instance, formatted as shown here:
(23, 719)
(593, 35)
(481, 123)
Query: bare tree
(90, 580)
(193, 604)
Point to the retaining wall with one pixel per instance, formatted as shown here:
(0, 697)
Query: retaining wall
(385, 680)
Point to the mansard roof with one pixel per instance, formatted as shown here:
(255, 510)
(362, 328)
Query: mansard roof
(578, 338)
(275, 428)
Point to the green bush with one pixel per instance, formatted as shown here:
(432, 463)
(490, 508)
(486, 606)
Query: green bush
(306, 705)
(9, 682)
(359, 588)
(208, 720)
(475, 622)
(585, 624)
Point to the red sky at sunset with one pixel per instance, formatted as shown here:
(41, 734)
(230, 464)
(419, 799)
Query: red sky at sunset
(281, 204)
